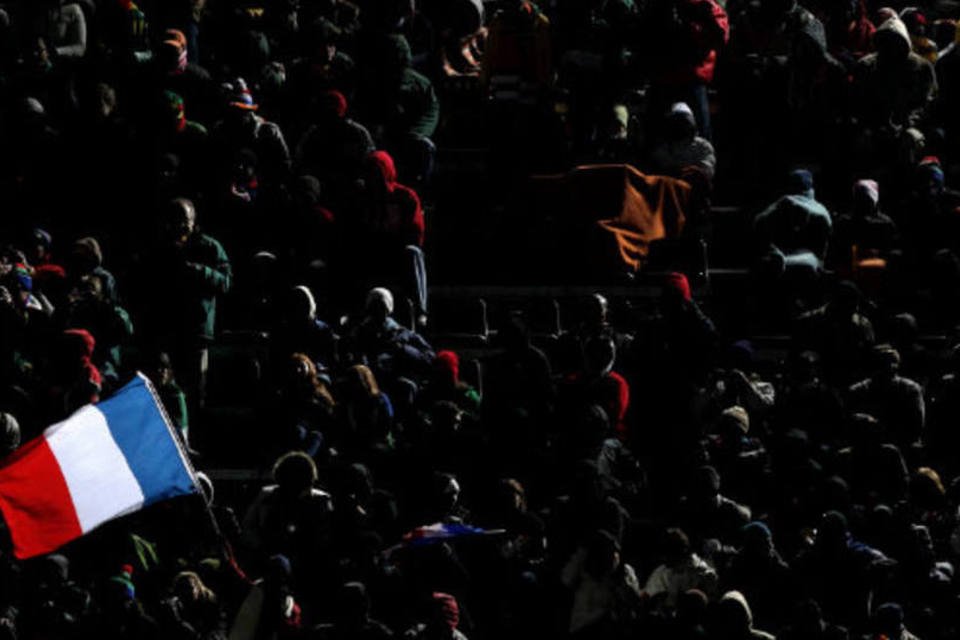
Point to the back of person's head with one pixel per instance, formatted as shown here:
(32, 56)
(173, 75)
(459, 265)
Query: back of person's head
(692, 607)
(833, 532)
(379, 303)
(808, 618)
(884, 360)
(300, 305)
(757, 539)
(676, 546)
(926, 489)
(845, 299)
(892, 41)
(603, 553)
(353, 604)
(733, 616)
(361, 382)
(295, 472)
(888, 619)
(705, 483)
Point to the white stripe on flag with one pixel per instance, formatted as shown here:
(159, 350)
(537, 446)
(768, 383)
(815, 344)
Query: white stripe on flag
(100, 481)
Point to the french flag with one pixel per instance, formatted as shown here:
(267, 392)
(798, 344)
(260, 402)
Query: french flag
(440, 531)
(104, 461)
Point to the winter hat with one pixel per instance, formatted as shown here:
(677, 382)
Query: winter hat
(756, 530)
(124, 582)
(736, 415)
(930, 166)
(87, 251)
(867, 188)
(382, 296)
(448, 362)
(175, 110)
(681, 109)
(21, 274)
(447, 608)
(678, 283)
(42, 237)
(800, 182)
(9, 434)
(333, 102)
(240, 95)
(174, 47)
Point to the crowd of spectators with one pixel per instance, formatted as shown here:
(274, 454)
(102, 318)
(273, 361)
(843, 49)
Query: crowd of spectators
(173, 168)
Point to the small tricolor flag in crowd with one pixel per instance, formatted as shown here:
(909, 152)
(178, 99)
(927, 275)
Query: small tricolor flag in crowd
(441, 531)
(104, 461)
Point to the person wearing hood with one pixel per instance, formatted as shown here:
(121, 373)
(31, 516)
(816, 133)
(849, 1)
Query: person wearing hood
(792, 233)
(300, 330)
(74, 379)
(682, 146)
(445, 385)
(397, 97)
(734, 621)
(391, 349)
(864, 236)
(816, 92)
(384, 238)
(90, 308)
(597, 384)
(893, 86)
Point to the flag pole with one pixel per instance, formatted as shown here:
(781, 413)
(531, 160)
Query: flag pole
(225, 545)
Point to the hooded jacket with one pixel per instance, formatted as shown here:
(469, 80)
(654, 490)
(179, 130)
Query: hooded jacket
(735, 612)
(400, 213)
(893, 84)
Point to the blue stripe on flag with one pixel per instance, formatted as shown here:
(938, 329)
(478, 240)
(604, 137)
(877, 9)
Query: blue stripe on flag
(138, 426)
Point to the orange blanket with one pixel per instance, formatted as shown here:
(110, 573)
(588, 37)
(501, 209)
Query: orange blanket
(635, 209)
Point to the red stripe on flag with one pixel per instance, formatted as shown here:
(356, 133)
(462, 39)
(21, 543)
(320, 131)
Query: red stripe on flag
(36, 502)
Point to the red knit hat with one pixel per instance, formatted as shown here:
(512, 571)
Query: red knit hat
(448, 608)
(448, 362)
(678, 282)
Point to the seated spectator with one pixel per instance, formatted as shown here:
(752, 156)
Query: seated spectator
(682, 146)
(792, 233)
(895, 401)
(682, 570)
